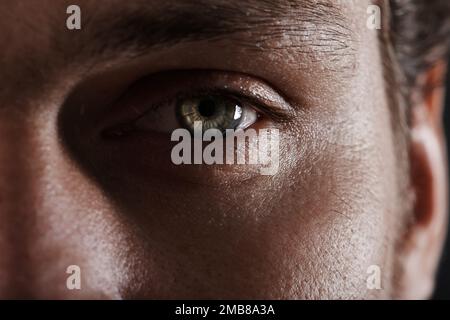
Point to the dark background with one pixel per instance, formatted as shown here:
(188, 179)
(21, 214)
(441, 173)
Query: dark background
(443, 281)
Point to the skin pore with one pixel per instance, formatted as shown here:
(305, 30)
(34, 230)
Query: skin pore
(140, 227)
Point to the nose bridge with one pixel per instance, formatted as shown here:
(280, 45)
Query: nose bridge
(22, 165)
(16, 160)
(44, 226)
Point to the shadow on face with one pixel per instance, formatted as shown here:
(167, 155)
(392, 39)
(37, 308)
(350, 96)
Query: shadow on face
(341, 202)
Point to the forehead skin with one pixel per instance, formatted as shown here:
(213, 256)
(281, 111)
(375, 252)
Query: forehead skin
(67, 197)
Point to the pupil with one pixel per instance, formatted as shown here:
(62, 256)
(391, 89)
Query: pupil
(207, 108)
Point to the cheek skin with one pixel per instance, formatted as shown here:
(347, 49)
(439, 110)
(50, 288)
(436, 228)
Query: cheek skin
(346, 193)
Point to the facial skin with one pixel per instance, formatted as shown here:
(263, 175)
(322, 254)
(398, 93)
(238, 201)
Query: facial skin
(140, 227)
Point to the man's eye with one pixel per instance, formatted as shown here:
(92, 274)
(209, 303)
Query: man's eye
(180, 99)
(214, 111)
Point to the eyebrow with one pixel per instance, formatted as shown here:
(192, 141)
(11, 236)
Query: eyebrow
(306, 26)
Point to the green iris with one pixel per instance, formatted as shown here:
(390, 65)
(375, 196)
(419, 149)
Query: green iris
(215, 112)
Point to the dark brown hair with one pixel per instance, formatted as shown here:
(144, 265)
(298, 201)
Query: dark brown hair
(420, 34)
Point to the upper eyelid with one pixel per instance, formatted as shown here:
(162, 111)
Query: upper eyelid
(266, 99)
(274, 112)
(268, 108)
